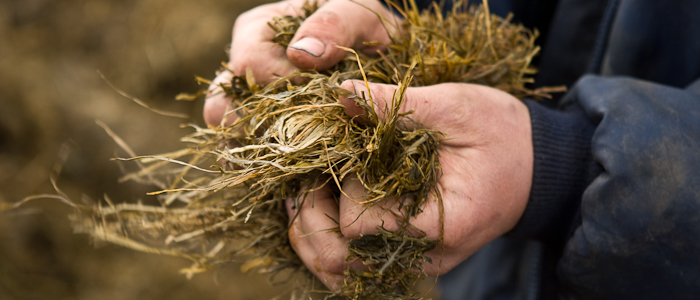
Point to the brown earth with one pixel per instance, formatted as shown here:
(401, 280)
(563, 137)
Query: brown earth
(51, 95)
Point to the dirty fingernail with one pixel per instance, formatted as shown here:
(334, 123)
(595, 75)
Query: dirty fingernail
(310, 45)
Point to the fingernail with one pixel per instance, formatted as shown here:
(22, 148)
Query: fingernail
(310, 45)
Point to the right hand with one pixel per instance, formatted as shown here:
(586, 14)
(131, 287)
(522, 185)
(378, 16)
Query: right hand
(486, 163)
(336, 23)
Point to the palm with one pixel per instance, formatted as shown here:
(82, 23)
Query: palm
(486, 160)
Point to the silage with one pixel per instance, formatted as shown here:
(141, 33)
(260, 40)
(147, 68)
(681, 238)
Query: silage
(223, 196)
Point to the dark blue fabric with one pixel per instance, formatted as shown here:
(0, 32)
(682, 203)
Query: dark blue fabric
(601, 40)
(640, 231)
(501, 264)
(561, 138)
(567, 50)
(657, 41)
(615, 201)
(498, 7)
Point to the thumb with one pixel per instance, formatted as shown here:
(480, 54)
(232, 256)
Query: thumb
(417, 99)
(339, 23)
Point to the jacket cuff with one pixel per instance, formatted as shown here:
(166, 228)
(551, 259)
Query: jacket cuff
(562, 164)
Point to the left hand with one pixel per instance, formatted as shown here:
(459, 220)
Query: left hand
(335, 23)
(487, 164)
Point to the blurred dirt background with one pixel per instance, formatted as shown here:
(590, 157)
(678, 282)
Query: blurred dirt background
(50, 97)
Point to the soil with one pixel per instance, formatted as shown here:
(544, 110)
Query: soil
(50, 97)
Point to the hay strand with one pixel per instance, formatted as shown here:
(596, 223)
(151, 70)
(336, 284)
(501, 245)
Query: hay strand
(223, 203)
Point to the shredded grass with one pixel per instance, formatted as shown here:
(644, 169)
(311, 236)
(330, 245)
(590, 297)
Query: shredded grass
(223, 196)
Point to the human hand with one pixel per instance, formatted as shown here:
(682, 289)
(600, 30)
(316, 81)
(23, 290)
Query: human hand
(336, 23)
(487, 164)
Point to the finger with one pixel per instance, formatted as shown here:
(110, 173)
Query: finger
(251, 48)
(307, 253)
(319, 215)
(357, 218)
(217, 104)
(444, 107)
(340, 22)
(252, 45)
(321, 247)
(381, 97)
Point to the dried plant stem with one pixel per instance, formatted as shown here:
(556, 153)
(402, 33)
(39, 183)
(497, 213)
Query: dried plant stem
(223, 202)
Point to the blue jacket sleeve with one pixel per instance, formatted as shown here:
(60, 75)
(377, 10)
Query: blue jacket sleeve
(634, 228)
(563, 166)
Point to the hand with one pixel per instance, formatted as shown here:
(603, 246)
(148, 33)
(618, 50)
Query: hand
(337, 22)
(487, 165)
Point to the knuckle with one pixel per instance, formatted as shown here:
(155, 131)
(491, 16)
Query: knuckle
(322, 23)
(327, 18)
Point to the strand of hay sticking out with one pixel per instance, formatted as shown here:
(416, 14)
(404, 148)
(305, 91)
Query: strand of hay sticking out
(223, 203)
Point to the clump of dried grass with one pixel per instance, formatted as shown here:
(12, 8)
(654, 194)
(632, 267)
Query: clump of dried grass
(223, 203)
